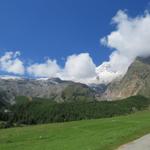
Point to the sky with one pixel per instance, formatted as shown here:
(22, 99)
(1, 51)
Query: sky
(71, 39)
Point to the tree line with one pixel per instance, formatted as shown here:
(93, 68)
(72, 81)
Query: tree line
(38, 111)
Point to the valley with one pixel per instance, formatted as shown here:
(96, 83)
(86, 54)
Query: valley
(92, 134)
(25, 103)
(74, 75)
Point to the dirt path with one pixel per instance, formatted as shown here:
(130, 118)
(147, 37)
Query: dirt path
(142, 143)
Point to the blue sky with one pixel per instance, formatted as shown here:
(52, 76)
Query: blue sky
(58, 28)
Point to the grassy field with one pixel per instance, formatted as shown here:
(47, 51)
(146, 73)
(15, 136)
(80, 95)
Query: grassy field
(98, 134)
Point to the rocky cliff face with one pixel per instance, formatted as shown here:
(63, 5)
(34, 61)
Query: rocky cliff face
(50, 88)
(136, 81)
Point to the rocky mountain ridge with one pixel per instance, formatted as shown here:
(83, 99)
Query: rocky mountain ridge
(53, 88)
(135, 82)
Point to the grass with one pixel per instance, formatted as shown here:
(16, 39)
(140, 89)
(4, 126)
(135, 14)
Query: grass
(97, 134)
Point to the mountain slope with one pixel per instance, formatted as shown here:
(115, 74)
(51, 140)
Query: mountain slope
(51, 88)
(135, 82)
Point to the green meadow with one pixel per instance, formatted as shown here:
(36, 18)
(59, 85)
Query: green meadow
(96, 134)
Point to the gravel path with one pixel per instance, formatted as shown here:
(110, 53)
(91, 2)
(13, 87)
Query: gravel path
(142, 143)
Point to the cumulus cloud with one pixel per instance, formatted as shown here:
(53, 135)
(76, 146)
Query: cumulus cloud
(130, 39)
(49, 69)
(11, 63)
(79, 68)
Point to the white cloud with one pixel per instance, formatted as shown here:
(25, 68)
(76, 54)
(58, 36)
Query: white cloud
(130, 39)
(79, 68)
(10, 63)
(47, 69)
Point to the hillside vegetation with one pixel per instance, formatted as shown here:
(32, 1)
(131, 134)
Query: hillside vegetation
(38, 111)
(99, 134)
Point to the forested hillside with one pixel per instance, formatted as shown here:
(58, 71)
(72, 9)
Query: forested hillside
(38, 111)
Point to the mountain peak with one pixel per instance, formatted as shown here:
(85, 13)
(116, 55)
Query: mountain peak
(135, 82)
